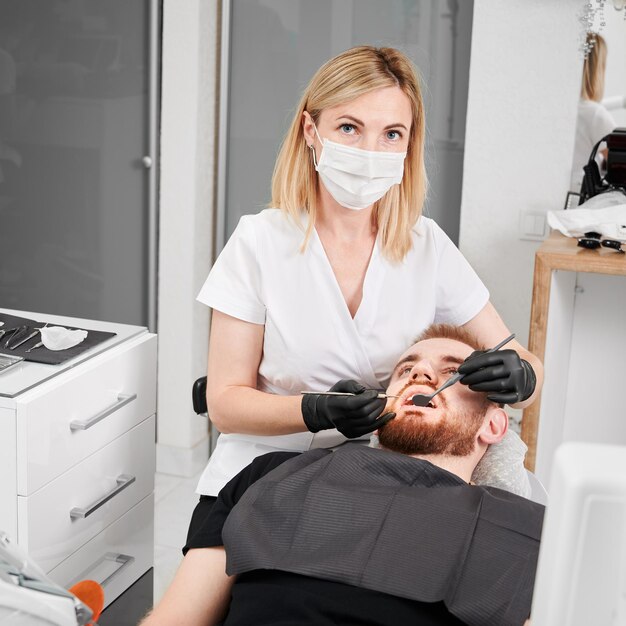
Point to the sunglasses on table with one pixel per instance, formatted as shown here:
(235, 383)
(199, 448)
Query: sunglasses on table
(593, 240)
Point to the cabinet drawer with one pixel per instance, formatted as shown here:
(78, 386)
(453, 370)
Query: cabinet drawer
(66, 513)
(117, 556)
(62, 422)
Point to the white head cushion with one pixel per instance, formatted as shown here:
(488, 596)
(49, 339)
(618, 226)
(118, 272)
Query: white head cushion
(502, 466)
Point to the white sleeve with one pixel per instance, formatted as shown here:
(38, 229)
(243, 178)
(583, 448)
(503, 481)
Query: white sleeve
(234, 282)
(461, 295)
(602, 123)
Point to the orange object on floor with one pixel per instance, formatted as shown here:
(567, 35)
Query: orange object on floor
(90, 592)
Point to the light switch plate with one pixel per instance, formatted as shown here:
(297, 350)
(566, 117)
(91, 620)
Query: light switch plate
(532, 225)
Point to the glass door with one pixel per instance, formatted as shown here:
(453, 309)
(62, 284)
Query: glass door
(271, 48)
(78, 85)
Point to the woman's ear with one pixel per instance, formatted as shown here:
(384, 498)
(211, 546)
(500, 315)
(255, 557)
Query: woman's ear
(494, 427)
(308, 128)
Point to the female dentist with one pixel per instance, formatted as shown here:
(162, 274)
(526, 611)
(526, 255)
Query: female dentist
(330, 285)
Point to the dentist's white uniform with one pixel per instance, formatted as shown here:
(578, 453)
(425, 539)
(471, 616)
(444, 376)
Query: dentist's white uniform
(311, 341)
(593, 123)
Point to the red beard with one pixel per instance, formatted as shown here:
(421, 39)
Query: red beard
(454, 434)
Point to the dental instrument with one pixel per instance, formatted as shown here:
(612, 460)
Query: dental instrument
(19, 333)
(38, 345)
(28, 338)
(4, 331)
(11, 332)
(423, 400)
(380, 396)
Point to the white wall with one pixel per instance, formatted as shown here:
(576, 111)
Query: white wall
(185, 248)
(521, 117)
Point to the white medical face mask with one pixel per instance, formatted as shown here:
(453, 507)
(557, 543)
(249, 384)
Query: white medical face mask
(357, 178)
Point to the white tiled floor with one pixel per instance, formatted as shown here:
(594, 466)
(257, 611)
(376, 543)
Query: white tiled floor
(174, 499)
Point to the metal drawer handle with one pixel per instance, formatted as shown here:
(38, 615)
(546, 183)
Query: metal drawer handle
(124, 559)
(122, 400)
(123, 481)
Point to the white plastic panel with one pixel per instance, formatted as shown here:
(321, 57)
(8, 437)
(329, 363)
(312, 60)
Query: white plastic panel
(581, 576)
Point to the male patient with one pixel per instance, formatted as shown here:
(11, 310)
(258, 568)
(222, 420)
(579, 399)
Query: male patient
(396, 535)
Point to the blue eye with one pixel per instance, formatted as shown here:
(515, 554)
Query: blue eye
(348, 129)
(394, 135)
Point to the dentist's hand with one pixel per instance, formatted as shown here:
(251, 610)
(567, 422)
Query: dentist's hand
(352, 416)
(505, 377)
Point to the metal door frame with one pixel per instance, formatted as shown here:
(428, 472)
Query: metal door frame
(222, 132)
(151, 158)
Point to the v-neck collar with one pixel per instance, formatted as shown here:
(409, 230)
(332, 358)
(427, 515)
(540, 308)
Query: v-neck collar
(366, 311)
(357, 328)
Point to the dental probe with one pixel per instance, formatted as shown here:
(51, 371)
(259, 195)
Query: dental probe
(19, 343)
(423, 400)
(381, 396)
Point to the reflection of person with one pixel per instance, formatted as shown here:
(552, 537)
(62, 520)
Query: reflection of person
(593, 121)
(336, 281)
(378, 536)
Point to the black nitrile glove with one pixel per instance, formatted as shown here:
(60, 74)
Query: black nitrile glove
(505, 377)
(352, 416)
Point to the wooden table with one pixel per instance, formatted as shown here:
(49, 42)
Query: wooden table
(556, 253)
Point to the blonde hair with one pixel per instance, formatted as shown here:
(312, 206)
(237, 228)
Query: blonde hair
(592, 87)
(351, 74)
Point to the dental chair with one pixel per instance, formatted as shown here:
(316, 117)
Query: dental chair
(198, 396)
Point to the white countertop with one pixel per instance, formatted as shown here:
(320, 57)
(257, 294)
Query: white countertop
(27, 374)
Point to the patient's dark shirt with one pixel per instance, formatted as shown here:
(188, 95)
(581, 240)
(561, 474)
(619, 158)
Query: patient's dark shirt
(264, 596)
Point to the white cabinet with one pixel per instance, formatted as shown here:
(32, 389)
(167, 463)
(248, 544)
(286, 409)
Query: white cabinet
(77, 458)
